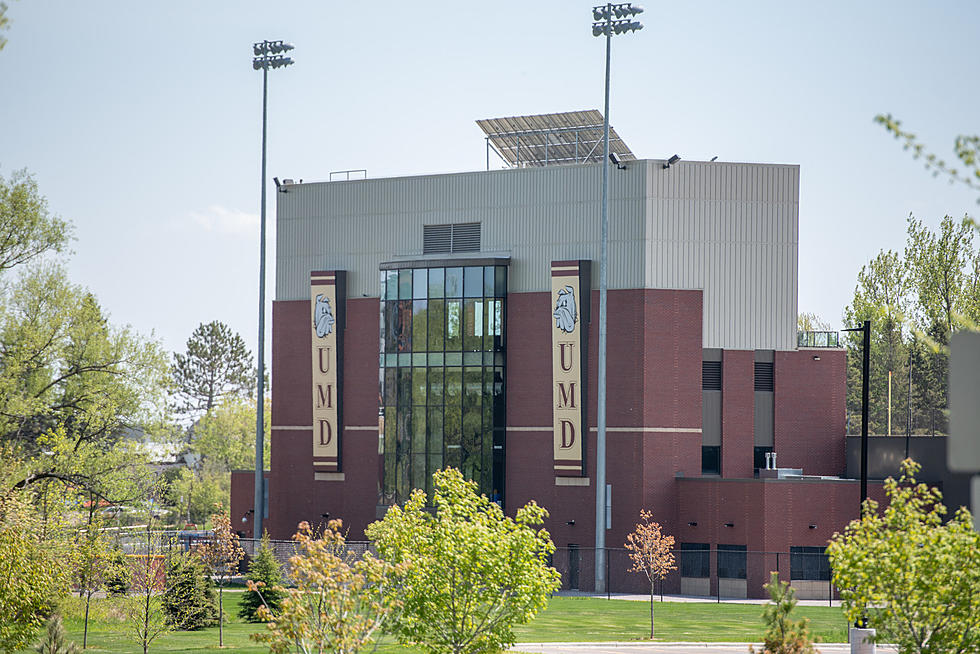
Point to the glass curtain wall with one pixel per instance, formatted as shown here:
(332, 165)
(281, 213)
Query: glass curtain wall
(442, 377)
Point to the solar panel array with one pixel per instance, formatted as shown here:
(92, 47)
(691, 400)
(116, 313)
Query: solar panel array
(552, 139)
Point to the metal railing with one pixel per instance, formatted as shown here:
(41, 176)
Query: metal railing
(817, 339)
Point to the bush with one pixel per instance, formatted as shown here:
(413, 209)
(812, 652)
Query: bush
(120, 577)
(55, 641)
(189, 600)
(264, 569)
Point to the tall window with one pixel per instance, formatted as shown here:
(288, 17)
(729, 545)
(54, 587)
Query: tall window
(442, 377)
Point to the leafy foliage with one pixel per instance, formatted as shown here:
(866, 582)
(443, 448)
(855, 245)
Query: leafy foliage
(921, 576)
(471, 573)
(55, 640)
(31, 579)
(338, 600)
(119, 578)
(27, 230)
(965, 147)
(189, 600)
(94, 565)
(144, 613)
(783, 634)
(221, 556)
(217, 363)
(265, 575)
(652, 553)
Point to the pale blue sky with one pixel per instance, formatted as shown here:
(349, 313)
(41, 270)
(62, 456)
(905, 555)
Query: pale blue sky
(141, 121)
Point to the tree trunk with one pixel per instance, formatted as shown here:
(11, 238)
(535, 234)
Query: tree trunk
(221, 620)
(651, 610)
(88, 600)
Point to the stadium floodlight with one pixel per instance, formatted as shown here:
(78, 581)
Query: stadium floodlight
(267, 55)
(605, 25)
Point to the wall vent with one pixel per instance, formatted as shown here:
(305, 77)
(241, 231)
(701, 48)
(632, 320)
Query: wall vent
(763, 376)
(445, 239)
(711, 375)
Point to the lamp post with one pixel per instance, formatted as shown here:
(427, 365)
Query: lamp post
(609, 19)
(866, 328)
(268, 54)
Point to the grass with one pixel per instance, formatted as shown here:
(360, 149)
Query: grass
(567, 619)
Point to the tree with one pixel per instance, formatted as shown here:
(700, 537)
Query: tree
(225, 436)
(265, 575)
(783, 634)
(221, 555)
(965, 147)
(4, 23)
(216, 364)
(337, 602)
(31, 577)
(811, 322)
(55, 639)
(27, 230)
(189, 601)
(651, 552)
(915, 579)
(144, 613)
(472, 573)
(94, 566)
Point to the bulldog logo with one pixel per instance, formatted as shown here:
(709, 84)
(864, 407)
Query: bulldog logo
(322, 316)
(565, 315)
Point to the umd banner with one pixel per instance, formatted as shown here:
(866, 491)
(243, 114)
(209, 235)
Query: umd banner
(570, 297)
(327, 305)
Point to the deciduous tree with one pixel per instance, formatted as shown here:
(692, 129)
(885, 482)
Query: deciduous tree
(652, 553)
(472, 573)
(221, 555)
(913, 577)
(337, 602)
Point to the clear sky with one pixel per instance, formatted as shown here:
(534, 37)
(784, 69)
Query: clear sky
(142, 121)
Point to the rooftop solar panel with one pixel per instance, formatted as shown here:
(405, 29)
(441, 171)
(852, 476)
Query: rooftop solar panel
(551, 139)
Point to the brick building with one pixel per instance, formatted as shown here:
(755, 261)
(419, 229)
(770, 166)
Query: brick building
(421, 322)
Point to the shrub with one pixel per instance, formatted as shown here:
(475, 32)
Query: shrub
(55, 641)
(189, 600)
(264, 569)
(120, 577)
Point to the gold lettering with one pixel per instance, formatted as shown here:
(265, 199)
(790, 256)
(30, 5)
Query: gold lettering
(566, 365)
(324, 368)
(326, 432)
(566, 396)
(567, 434)
(324, 396)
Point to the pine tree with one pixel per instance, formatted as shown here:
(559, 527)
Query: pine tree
(189, 600)
(264, 569)
(55, 641)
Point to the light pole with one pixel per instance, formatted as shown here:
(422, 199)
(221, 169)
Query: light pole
(609, 19)
(268, 54)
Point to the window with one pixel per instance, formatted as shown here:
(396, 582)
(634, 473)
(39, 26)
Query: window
(695, 560)
(711, 460)
(731, 561)
(809, 563)
(441, 376)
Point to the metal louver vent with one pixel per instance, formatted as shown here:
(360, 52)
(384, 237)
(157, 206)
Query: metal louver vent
(437, 239)
(763, 376)
(466, 237)
(443, 239)
(711, 375)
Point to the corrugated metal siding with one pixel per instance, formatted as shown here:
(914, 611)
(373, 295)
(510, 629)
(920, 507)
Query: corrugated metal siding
(731, 230)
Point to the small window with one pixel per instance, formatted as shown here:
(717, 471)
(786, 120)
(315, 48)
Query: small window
(763, 376)
(695, 560)
(809, 563)
(711, 460)
(731, 561)
(711, 375)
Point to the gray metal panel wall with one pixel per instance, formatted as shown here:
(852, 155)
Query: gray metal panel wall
(534, 215)
(729, 229)
(732, 230)
(710, 417)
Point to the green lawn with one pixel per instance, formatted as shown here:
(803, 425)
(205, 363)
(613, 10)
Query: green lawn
(567, 619)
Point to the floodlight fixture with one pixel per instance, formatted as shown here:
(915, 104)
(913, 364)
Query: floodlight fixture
(271, 47)
(617, 161)
(671, 161)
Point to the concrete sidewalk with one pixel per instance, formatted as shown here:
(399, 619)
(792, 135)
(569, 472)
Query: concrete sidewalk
(635, 647)
(687, 598)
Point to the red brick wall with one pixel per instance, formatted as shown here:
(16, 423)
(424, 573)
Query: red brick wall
(737, 413)
(809, 405)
